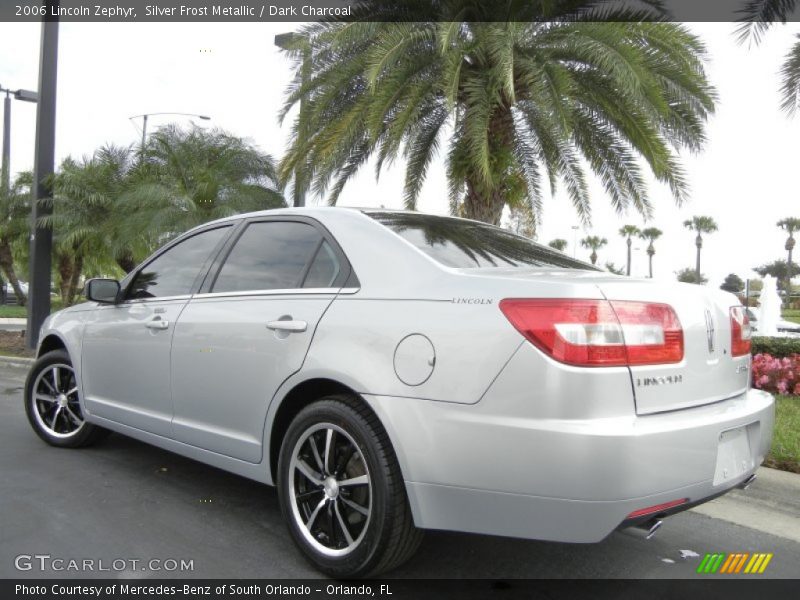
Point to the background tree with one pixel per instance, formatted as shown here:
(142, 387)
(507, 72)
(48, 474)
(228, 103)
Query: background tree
(558, 244)
(192, 176)
(651, 234)
(733, 283)
(15, 214)
(523, 103)
(628, 231)
(594, 243)
(522, 221)
(701, 225)
(689, 275)
(779, 270)
(789, 225)
(758, 16)
(91, 218)
(612, 268)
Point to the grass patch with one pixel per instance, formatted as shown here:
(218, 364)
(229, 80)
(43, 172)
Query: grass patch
(792, 315)
(12, 312)
(785, 452)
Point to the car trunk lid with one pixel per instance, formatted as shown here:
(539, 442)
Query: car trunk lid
(708, 372)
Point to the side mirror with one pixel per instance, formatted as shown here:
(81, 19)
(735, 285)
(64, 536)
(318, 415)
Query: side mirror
(104, 291)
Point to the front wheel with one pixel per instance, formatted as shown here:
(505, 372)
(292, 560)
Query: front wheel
(52, 404)
(341, 490)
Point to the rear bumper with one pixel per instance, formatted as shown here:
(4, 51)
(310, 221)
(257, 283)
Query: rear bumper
(468, 468)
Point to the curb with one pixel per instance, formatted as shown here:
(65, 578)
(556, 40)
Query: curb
(18, 362)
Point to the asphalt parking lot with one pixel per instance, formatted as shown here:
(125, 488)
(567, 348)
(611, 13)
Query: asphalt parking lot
(125, 500)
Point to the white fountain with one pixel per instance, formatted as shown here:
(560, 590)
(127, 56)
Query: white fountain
(770, 308)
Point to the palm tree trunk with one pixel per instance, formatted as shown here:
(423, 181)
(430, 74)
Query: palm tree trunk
(487, 205)
(77, 269)
(650, 252)
(65, 267)
(790, 248)
(699, 243)
(7, 264)
(477, 206)
(593, 256)
(628, 270)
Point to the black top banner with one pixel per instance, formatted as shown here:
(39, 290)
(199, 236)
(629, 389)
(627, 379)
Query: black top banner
(397, 10)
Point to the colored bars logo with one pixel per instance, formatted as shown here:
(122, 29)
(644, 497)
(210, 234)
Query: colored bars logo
(741, 562)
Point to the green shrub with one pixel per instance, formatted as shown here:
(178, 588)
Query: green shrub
(776, 346)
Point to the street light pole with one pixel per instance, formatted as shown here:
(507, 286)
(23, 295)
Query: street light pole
(574, 240)
(144, 118)
(6, 183)
(43, 168)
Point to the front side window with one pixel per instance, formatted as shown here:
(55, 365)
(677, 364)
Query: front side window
(173, 272)
(465, 244)
(269, 256)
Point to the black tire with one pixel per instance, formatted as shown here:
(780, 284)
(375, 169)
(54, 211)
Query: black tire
(387, 536)
(65, 431)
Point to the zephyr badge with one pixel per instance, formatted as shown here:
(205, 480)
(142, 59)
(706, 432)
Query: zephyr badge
(710, 331)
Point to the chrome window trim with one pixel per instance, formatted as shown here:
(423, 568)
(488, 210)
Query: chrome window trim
(277, 292)
(148, 300)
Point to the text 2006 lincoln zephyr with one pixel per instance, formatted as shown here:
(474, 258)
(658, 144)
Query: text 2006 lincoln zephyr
(392, 372)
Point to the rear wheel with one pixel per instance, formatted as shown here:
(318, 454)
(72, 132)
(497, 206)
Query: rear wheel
(341, 491)
(53, 405)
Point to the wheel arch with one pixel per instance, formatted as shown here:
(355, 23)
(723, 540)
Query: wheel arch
(49, 343)
(296, 399)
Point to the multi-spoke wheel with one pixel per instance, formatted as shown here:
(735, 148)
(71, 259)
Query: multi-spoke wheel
(52, 403)
(331, 489)
(341, 490)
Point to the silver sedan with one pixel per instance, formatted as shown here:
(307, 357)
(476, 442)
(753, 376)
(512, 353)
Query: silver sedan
(392, 372)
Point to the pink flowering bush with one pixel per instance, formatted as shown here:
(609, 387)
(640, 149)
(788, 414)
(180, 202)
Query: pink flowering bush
(777, 375)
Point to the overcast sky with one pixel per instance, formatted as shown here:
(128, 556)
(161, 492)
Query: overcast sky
(746, 178)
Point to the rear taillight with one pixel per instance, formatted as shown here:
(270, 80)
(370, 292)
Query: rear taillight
(740, 331)
(599, 333)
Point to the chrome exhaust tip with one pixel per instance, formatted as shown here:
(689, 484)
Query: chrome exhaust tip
(747, 482)
(649, 528)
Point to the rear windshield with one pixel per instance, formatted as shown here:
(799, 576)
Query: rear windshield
(468, 244)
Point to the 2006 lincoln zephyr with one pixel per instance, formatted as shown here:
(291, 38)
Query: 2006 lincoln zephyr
(391, 372)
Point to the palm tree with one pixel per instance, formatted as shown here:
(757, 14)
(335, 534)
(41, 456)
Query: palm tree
(628, 231)
(789, 225)
(15, 211)
(92, 208)
(758, 17)
(701, 225)
(558, 244)
(594, 243)
(651, 234)
(192, 176)
(523, 103)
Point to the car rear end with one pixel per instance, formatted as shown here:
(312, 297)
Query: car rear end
(625, 401)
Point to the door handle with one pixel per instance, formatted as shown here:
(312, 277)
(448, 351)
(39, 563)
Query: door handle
(289, 326)
(157, 323)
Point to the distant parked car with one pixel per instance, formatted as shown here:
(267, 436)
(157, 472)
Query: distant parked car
(9, 289)
(394, 371)
(782, 325)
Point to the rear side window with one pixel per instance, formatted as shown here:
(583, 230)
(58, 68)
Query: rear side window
(174, 271)
(268, 256)
(467, 244)
(324, 270)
